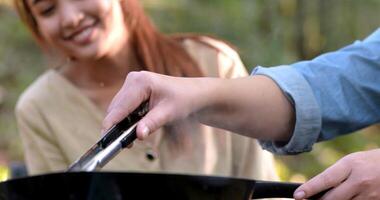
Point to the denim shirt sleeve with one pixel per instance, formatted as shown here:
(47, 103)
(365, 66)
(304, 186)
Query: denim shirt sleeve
(334, 94)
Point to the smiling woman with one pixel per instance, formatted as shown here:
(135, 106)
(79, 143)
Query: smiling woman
(60, 114)
(79, 28)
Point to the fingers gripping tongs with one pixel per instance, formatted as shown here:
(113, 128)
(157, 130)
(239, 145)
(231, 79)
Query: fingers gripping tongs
(115, 139)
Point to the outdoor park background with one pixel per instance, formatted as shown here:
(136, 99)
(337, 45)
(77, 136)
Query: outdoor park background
(266, 33)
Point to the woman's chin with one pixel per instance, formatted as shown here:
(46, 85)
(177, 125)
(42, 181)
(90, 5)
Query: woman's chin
(89, 52)
(87, 55)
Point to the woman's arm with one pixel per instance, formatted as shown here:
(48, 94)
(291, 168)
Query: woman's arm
(253, 106)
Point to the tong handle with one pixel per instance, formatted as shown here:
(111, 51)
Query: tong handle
(115, 131)
(129, 139)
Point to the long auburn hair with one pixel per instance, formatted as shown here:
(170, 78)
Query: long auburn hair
(155, 51)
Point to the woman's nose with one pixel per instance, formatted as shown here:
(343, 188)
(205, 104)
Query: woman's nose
(70, 15)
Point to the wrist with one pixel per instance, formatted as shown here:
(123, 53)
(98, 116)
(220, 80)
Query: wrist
(212, 99)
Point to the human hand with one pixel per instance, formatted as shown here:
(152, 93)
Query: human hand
(170, 99)
(355, 176)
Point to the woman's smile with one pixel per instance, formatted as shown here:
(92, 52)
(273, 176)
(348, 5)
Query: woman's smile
(82, 35)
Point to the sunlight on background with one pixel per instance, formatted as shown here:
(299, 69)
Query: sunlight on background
(4, 173)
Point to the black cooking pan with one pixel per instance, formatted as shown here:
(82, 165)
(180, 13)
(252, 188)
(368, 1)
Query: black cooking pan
(122, 186)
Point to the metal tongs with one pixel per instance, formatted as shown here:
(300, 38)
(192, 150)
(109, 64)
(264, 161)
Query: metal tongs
(114, 140)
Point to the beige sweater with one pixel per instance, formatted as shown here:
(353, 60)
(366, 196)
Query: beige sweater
(58, 123)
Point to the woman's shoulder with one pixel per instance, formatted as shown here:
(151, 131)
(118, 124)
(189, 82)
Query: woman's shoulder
(215, 57)
(209, 43)
(37, 93)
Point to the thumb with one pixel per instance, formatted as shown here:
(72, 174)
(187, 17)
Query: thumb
(156, 118)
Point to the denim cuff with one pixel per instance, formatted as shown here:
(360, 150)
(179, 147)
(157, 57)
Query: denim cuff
(308, 114)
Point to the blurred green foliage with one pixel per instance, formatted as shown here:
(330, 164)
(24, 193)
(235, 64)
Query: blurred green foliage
(20, 63)
(266, 33)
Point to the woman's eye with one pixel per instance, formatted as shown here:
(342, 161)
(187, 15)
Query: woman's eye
(47, 11)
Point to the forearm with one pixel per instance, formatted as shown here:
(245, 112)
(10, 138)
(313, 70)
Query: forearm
(253, 106)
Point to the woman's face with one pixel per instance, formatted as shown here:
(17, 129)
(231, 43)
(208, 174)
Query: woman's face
(84, 29)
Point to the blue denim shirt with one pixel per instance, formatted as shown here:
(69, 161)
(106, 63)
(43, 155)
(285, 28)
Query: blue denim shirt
(333, 94)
